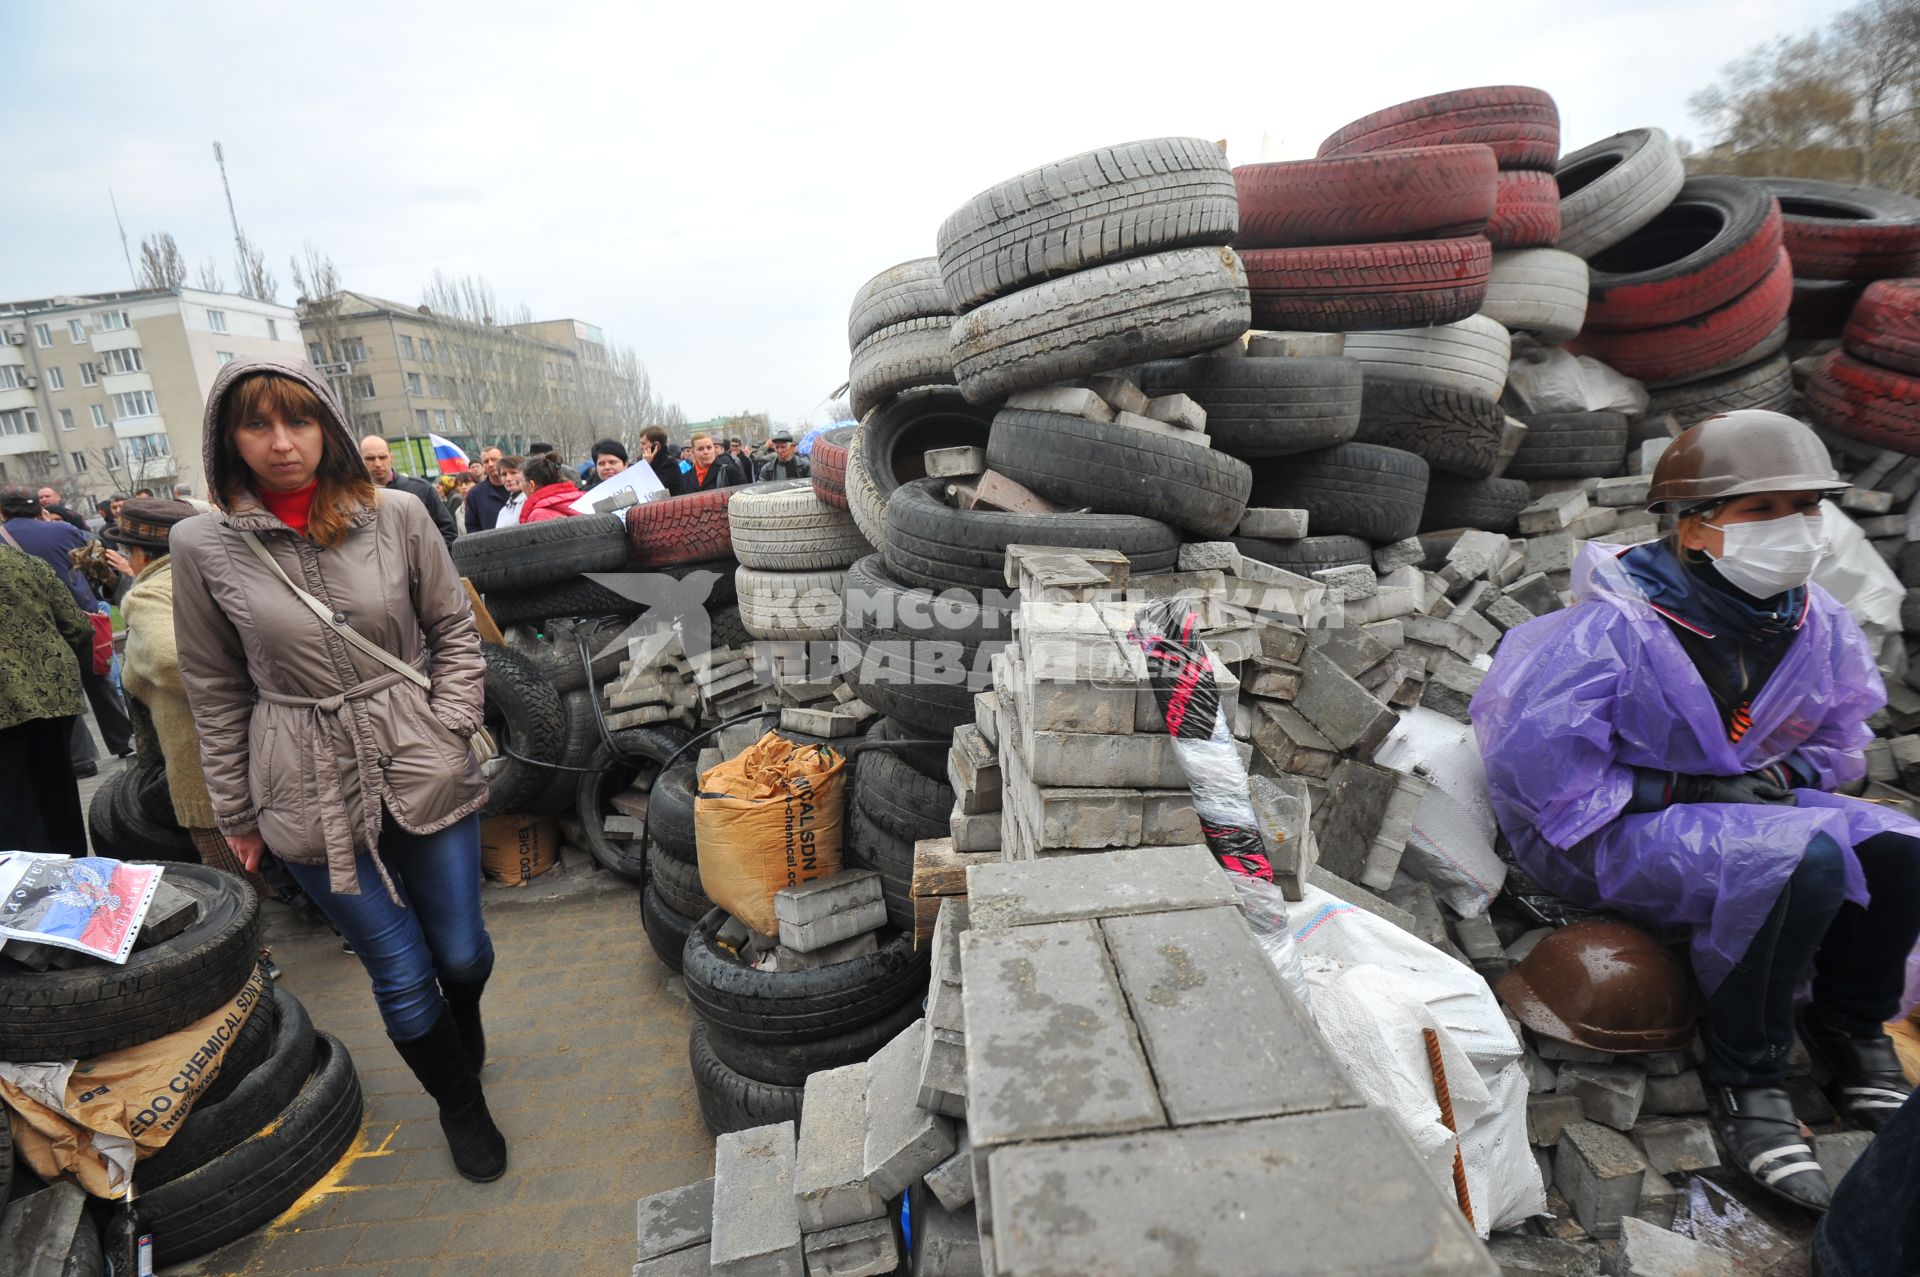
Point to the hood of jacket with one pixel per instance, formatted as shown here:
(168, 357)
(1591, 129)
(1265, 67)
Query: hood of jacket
(333, 420)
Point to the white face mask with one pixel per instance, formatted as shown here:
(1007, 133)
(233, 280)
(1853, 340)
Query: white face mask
(1768, 557)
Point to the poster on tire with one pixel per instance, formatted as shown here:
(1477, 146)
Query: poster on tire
(88, 904)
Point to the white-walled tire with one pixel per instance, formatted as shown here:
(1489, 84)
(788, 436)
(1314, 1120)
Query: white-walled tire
(786, 606)
(1542, 291)
(786, 527)
(1470, 356)
(1611, 189)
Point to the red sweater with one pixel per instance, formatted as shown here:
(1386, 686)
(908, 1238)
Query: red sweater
(550, 502)
(290, 507)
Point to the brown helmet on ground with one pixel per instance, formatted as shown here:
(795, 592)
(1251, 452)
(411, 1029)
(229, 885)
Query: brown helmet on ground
(1606, 986)
(1740, 453)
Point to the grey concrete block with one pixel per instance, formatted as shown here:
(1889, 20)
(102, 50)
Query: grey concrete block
(820, 898)
(1535, 593)
(1349, 582)
(786, 959)
(1290, 744)
(674, 1220)
(865, 1249)
(1345, 712)
(1209, 556)
(1354, 650)
(834, 929)
(1348, 819)
(1121, 392)
(1338, 1192)
(1550, 1114)
(903, 1140)
(1838, 1151)
(756, 1221)
(1273, 679)
(1140, 421)
(1450, 690)
(978, 832)
(1142, 760)
(1106, 884)
(1197, 978)
(1551, 553)
(943, 1073)
(1599, 1172)
(1627, 490)
(1074, 401)
(1284, 808)
(1472, 556)
(951, 1182)
(1610, 1093)
(1673, 1144)
(1647, 1250)
(1167, 818)
(1594, 523)
(830, 1184)
(1111, 566)
(954, 463)
(1051, 1049)
(1522, 1256)
(814, 722)
(1398, 554)
(1272, 524)
(1570, 1052)
(695, 1261)
(1477, 939)
(946, 1243)
(1552, 512)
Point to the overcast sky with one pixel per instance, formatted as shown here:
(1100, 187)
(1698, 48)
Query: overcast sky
(710, 183)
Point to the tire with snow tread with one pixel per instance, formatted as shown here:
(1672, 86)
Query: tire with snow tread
(1469, 356)
(1541, 291)
(1265, 407)
(1835, 231)
(1457, 433)
(1571, 445)
(932, 545)
(911, 290)
(901, 357)
(531, 554)
(789, 606)
(1521, 124)
(1526, 211)
(1715, 242)
(1356, 489)
(783, 526)
(1075, 214)
(524, 714)
(679, 530)
(731, 1101)
(1110, 316)
(1341, 287)
(1768, 384)
(1720, 339)
(1434, 192)
(1614, 187)
(1120, 470)
(1493, 505)
(90, 1010)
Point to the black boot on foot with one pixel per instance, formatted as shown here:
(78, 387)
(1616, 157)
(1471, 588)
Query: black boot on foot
(1759, 1129)
(463, 1001)
(1864, 1080)
(439, 1060)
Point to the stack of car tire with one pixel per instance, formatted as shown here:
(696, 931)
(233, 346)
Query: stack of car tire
(130, 816)
(1841, 238)
(1869, 389)
(282, 1110)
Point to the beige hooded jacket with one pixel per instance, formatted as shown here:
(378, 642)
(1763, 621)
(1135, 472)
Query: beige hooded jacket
(303, 737)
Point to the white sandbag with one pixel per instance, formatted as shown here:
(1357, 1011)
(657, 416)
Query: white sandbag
(1503, 1179)
(1853, 572)
(1451, 843)
(1544, 379)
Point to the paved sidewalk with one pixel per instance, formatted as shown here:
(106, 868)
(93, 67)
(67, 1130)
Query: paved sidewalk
(586, 1074)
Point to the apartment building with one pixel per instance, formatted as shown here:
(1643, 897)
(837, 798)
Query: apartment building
(105, 392)
(405, 372)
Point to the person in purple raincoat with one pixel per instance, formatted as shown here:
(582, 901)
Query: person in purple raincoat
(1669, 748)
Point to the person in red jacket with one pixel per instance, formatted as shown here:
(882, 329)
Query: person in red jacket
(550, 493)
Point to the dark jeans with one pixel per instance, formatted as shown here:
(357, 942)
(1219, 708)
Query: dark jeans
(108, 710)
(1873, 1228)
(38, 791)
(439, 935)
(1857, 958)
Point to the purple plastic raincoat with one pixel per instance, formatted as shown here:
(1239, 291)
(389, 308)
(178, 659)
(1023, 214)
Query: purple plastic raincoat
(1577, 698)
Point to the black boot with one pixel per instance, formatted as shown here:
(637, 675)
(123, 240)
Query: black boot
(1760, 1131)
(439, 1061)
(463, 1000)
(1864, 1081)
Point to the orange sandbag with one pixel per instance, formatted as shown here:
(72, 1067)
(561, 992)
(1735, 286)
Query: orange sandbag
(765, 819)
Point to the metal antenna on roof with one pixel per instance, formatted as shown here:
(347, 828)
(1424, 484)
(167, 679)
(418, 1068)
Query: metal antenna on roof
(239, 240)
(124, 250)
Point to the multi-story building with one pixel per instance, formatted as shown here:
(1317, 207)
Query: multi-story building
(405, 372)
(104, 393)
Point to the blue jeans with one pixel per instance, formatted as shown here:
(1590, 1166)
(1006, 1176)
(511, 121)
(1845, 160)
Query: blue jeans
(1857, 958)
(1873, 1229)
(440, 935)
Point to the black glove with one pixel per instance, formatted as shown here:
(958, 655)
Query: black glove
(1753, 787)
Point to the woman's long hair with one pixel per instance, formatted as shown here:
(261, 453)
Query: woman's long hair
(343, 487)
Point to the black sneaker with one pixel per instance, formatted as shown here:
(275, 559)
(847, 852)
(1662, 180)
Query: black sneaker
(1760, 1131)
(1863, 1077)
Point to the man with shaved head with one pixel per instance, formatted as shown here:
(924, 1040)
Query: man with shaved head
(379, 459)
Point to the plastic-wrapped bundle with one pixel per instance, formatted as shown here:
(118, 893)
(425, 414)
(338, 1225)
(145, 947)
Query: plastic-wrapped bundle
(1181, 671)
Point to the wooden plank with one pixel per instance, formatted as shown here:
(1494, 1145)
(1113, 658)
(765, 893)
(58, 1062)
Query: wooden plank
(483, 618)
(939, 870)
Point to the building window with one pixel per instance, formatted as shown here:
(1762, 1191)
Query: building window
(439, 419)
(316, 352)
(12, 377)
(79, 460)
(365, 386)
(110, 321)
(353, 350)
(110, 457)
(77, 329)
(88, 377)
(123, 361)
(66, 418)
(413, 383)
(426, 350)
(226, 357)
(273, 330)
(56, 380)
(135, 403)
(406, 346)
(148, 447)
(43, 335)
(420, 420)
(433, 387)
(20, 421)
(99, 416)
(370, 422)
(217, 320)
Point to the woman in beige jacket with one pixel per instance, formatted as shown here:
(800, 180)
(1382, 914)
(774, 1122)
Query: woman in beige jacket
(355, 777)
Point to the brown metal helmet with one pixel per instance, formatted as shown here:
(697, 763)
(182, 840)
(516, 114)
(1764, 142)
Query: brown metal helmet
(1739, 453)
(1605, 986)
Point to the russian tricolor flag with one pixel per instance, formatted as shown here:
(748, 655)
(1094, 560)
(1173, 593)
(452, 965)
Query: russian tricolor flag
(448, 454)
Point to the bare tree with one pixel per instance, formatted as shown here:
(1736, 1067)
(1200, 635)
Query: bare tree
(840, 410)
(161, 263)
(503, 384)
(256, 279)
(671, 418)
(208, 277)
(316, 282)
